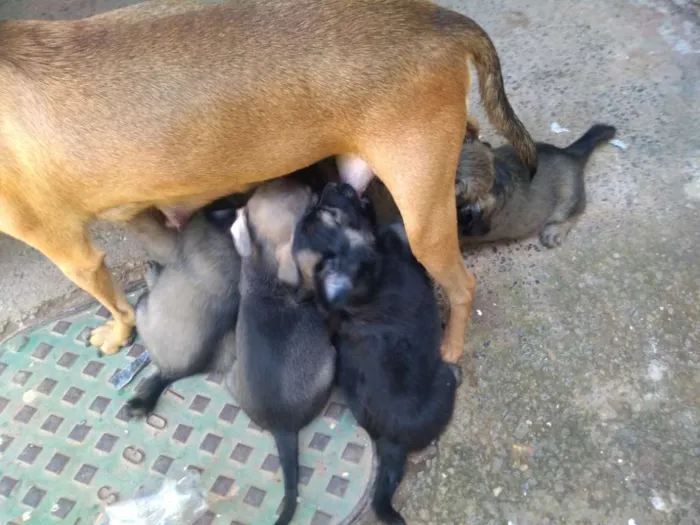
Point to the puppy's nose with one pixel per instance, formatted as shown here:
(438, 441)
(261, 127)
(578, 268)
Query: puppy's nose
(335, 287)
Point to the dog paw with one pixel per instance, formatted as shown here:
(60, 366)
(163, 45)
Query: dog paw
(111, 336)
(422, 456)
(553, 235)
(457, 372)
(152, 273)
(137, 408)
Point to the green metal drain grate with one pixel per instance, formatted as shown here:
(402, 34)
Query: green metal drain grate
(66, 450)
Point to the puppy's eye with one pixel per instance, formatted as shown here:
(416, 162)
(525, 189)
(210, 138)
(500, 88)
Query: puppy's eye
(347, 191)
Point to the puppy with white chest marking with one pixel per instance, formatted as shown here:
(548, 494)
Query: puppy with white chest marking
(187, 317)
(497, 200)
(388, 331)
(285, 364)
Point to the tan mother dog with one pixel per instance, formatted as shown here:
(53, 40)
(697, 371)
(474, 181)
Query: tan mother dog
(175, 104)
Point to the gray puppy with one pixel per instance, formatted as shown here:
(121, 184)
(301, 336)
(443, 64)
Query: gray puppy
(497, 200)
(187, 317)
(285, 368)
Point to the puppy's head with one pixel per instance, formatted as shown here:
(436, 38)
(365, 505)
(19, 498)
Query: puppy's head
(339, 221)
(334, 246)
(474, 188)
(265, 227)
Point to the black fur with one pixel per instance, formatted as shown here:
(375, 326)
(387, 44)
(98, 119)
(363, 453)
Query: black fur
(388, 342)
(285, 368)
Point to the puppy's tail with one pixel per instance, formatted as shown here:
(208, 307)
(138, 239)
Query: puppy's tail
(392, 458)
(288, 449)
(590, 140)
(483, 55)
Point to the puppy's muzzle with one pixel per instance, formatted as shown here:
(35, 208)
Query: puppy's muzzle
(336, 287)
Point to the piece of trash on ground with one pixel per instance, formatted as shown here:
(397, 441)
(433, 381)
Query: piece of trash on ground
(519, 455)
(619, 144)
(177, 502)
(125, 376)
(556, 128)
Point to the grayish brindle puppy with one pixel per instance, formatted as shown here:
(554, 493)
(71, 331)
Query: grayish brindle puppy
(187, 317)
(496, 200)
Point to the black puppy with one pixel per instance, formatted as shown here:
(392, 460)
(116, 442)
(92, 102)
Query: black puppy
(187, 317)
(388, 332)
(285, 367)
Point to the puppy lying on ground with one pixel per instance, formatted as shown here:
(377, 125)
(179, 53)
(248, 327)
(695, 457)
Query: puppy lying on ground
(388, 332)
(285, 364)
(517, 207)
(188, 315)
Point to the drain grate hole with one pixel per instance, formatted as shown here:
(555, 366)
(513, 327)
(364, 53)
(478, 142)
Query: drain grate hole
(67, 360)
(57, 464)
(62, 508)
(25, 414)
(319, 442)
(229, 413)
(241, 453)
(34, 497)
(29, 454)
(337, 486)
(162, 464)
(254, 497)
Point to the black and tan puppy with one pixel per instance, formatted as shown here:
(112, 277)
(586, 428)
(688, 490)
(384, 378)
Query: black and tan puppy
(187, 317)
(517, 207)
(388, 332)
(285, 363)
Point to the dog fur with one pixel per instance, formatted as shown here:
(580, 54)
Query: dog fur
(285, 368)
(496, 199)
(174, 104)
(187, 317)
(388, 333)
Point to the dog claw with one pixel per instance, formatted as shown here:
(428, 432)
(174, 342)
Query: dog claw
(110, 337)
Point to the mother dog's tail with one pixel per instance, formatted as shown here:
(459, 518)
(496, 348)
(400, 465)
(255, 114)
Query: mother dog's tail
(483, 55)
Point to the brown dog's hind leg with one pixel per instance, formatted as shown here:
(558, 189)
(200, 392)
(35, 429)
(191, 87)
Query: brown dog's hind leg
(69, 248)
(421, 179)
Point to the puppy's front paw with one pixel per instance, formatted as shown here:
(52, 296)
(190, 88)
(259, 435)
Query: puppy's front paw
(553, 235)
(457, 372)
(137, 408)
(153, 270)
(111, 336)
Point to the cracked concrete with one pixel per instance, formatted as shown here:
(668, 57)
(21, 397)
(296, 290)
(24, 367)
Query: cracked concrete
(588, 407)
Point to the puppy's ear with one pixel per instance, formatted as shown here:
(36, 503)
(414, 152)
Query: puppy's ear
(222, 218)
(287, 270)
(241, 234)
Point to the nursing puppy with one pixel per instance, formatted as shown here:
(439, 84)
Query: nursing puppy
(188, 315)
(285, 364)
(388, 332)
(497, 200)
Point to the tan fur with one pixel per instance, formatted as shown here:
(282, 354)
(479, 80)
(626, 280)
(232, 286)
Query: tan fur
(266, 227)
(171, 106)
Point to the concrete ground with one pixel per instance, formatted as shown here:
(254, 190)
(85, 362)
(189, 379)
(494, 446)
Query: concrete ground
(588, 408)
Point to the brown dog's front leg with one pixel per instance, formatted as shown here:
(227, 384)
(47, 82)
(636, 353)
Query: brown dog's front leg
(421, 179)
(83, 264)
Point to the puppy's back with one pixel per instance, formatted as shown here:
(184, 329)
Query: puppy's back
(195, 299)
